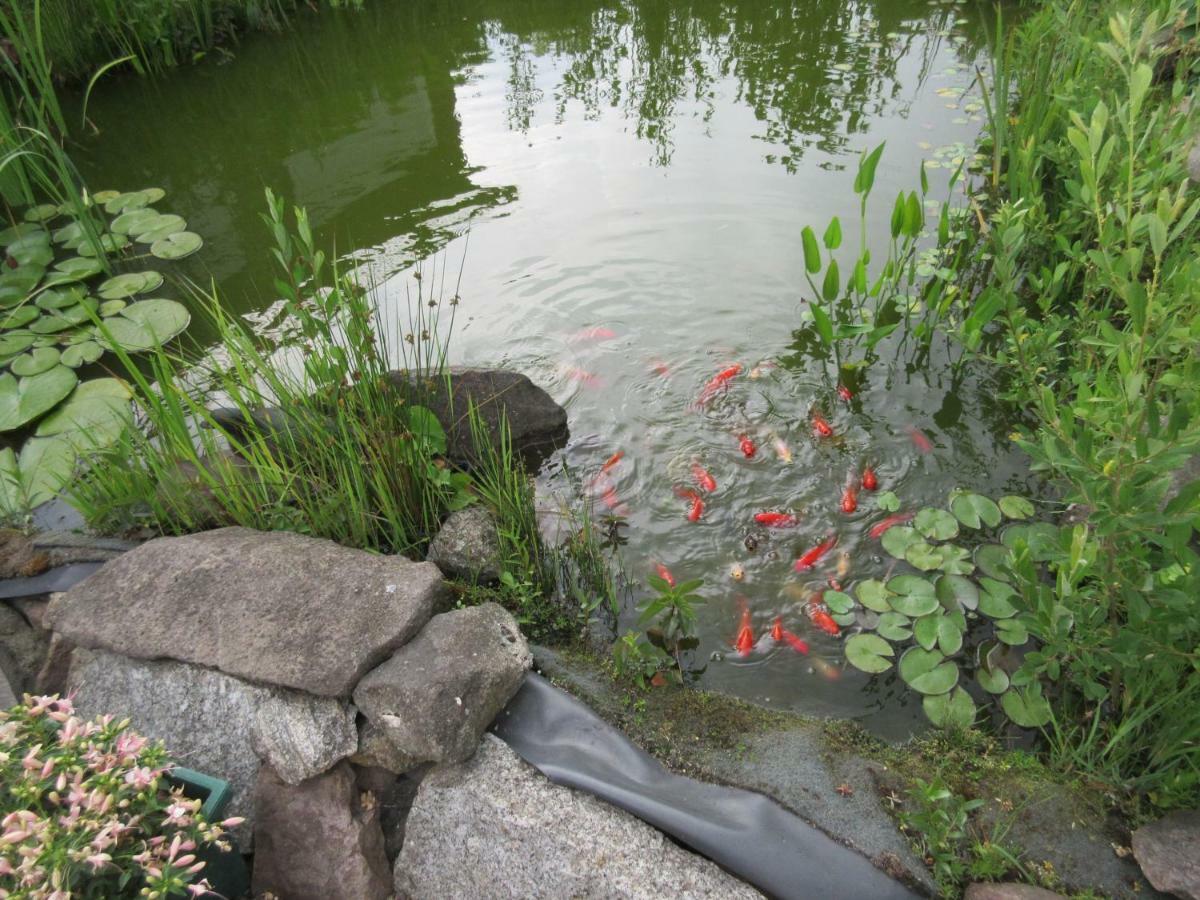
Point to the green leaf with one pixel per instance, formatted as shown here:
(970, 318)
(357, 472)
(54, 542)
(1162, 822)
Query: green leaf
(98, 412)
(832, 283)
(921, 555)
(46, 465)
(119, 287)
(833, 234)
(812, 252)
(25, 400)
(952, 710)
(838, 602)
(865, 177)
(974, 509)
(888, 501)
(950, 633)
(1012, 632)
(956, 592)
(1016, 507)
(925, 630)
(897, 539)
(994, 681)
(936, 524)
(914, 596)
(81, 354)
(823, 325)
(894, 626)
(424, 424)
(955, 560)
(992, 560)
(927, 671)
(1026, 706)
(873, 595)
(993, 602)
(869, 652)
(144, 325)
(177, 245)
(35, 362)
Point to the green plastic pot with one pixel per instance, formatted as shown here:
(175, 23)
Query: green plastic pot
(225, 870)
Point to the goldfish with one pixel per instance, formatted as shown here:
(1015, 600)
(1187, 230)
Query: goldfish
(850, 499)
(660, 368)
(822, 619)
(810, 559)
(845, 393)
(897, 519)
(612, 461)
(599, 333)
(919, 440)
(609, 498)
(821, 427)
(782, 451)
(777, 630)
(696, 507)
(703, 479)
(747, 446)
(584, 377)
(828, 672)
(717, 382)
(775, 519)
(795, 643)
(843, 564)
(736, 572)
(665, 574)
(745, 636)
(869, 481)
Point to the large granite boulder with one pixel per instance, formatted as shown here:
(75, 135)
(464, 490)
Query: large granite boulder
(1169, 853)
(496, 827)
(319, 840)
(437, 694)
(537, 425)
(468, 546)
(217, 724)
(272, 607)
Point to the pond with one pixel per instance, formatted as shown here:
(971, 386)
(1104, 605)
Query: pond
(624, 185)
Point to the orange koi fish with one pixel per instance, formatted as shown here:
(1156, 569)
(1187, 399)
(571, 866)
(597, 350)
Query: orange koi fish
(781, 635)
(660, 368)
(822, 619)
(821, 427)
(775, 519)
(845, 393)
(609, 498)
(747, 446)
(813, 556)
(612, 461)
(897, 519)
(599, 333)
(869, 481)
(696, 507)
(919, 440)
(745, 636)
(828, 672)
(703, 479)
(582, 376)
(665, 574)
(717, 382)
(850, 499)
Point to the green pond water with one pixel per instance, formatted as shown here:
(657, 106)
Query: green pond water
(624, 185)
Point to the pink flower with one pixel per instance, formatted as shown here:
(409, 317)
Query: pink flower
(140, 777)
(98, 860)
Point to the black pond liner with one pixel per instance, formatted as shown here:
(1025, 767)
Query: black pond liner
(59, 579)
(745, 833)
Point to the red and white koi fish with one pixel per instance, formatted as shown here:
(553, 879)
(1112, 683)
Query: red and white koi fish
(869, 481)
(781, 635)
(775, 519)
(665, 574)
(745, 636)
(820, 617)
(821, 428)
(845, 393)
(879, 528)
(703, 479)
(919, 440)
(850, 498)
(717, 382)
(612, 461)
(695, 501)
(813, 556)
(599, 333)
(747, 446)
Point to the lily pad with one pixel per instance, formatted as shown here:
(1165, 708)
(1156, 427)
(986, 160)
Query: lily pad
(873, 594)
(869, 652)
(1012, 632)
(43, 468)
(19, 230)
(24, 400)
(888, 501)
(109, 243)
(1026, 707)
(992, 560)
(69, 235)
(76, 268)
(913, 596)
(105, 196)
(60, 298)
(121, 286)
(898, 538)
(134, 220)
(177, 246)
(127, 201)
(145, 324)
(81, 354)
(22, 315)
(952, 710)
(154, 194)
(838, 602)
(994, 681)
(15, 342)
(35, 362)
(32, 249)
(974, 510)
(111, 307)
(925, 630)
(950, 633)
(1015, 507)
(161, 225)
(956, 592)
(955, 560)
(994, 602)
(922, 555)
(927, 671)
(98, 411)
(936, 524)
(894, 626)
(43, 212)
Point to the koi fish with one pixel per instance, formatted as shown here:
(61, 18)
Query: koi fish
(717, 382)
(582, 376)
(736, 572)
(775, 519)
(660, 368)
(843, 565)
(869, 481)
(782, 451)
(599, 333)
(745, 636)
(845, 393)
(612, 461)
(850, 499)
(609, 498)
(703, 479)
(747, 446)
(897, 519)
(665, 574)
(777, 630)
(821, 427)
(919, 440)
(810, 559)
(833, 583)
(828, 672)
(696, 507)
(823, 620)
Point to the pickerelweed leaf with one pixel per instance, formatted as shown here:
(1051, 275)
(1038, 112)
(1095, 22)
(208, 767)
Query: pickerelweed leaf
(1015, 507)
(994, 681)
(993, 560)
(26, 399)
(1027, 706)
(936, 524)
(838, 602)
(869, 652)
(35, 362)
(953, 710)
(873, 594)
(1040, 537)
(894, 626)
(145, 324)
(81, 354)
(177, 246)
(975, 509)
(897, 539)
(956, 592)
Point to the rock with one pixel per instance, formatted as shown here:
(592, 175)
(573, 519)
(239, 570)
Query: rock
(32, 608)
(278, 608)
(468, 546)
(1011, 891)
(376, 750)
(394, 795)
(52, 677)
(317, 841)
(437, 694)
(1169, 853)
(8, 699)
(537, 425)
(68, 547)
(22, 649)
(19, 558)
(496, 821)
(213, 722)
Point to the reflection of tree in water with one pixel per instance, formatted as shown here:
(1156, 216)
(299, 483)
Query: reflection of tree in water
(813, 71)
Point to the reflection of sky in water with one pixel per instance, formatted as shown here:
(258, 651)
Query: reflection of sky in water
(642, 166)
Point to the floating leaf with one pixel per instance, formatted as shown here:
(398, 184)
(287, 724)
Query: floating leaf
(26, 399)
(121, 286)
(925, 630)
(98, 410)
(159, 227)
(105, 196)
(992, 560)
(993, 602)
(975, 509)
(953, 710)
(134, 220)
(60, 298)
(46, 465)
(32, 249)
(19, 230)
(177, 246)
(845, 619)
(922, 555)
(869, 652)
(22, 315)
(927, 671)
(873, 595)
(1016, 507)
(838, 602)
(1012, 632)
(111, 307)
(77, 268)
(35, 362)
(145, 325)
(955, 560)
(81, 354)
(1040, 537)
(994, 681)
(897, 539)
(69, 235)
(950, 633)
(955, 592)
(126, 201)
(894, 626)
(1026, 706)
(109, 243)
(888, 501)
(42, 213)
(936, 524)
(15, 342)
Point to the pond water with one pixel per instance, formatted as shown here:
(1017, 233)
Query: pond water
(624, 184)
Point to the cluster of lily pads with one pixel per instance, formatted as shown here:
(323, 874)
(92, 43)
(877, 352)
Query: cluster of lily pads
(70, 292)
(957, 614)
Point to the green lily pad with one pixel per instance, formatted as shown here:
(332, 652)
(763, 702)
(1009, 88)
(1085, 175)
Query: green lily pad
(145, 324)
(898, 538)
(994, 601)
(888, 501)
(15, 342)
(19, 230)
(110, 243)
(77, 268)
(177, 246)
(161, 225)
(994, 681)
(925, 630)
(894, 626)
(845, 619)
(43, 212)
(24, 400)
(105, 196)
(927, 671)
(974, 510)
(956, 592)
(134, 220)
(952, 710)
(97, 412)
(950, 633)
(923, 556)
(20, 316)
(154, 194)
(32, 250)
(71, 233)
(869, 652)
(992, 560)
(1015, 507)
(61, 319)
(913, 596)
(81, 354)
(121, 286)
(60, 298)
(1012, 632)
(873, 595)
(111, 307)
(955, 560)
(838, 602)
(127, 201)
(936, 524)
(1026, 707)
(35, 362)
(43, 469)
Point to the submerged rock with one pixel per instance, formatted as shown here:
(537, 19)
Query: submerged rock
(437, 694)
(468, 546)
(277, 608)
(495, 826)
(1169, 853)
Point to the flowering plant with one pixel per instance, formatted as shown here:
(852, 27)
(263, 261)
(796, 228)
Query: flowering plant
(85, 810)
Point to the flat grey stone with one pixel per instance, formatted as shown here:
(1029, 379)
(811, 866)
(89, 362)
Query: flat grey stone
(1169, 853)
(301, 735)
(495, 827)
(467, 546)
(437, 694)
(277, 608)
